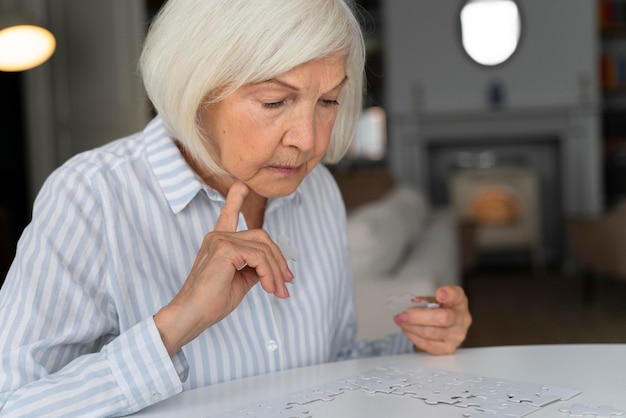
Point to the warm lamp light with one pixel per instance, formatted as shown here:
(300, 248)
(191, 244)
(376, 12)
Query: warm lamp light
(23, 44)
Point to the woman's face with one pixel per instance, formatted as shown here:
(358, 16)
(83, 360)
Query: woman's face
(270, 135)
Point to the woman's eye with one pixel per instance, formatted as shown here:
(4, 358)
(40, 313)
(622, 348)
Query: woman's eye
(274, 105)
(330, 102)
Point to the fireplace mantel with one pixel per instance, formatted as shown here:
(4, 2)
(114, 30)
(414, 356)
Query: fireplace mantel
(576, 128)
(503, 124)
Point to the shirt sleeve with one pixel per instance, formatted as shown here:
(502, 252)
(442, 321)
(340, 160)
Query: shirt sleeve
(61, 349)
(396, 343)
(345, 346)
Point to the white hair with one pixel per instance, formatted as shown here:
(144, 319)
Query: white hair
(200, 51)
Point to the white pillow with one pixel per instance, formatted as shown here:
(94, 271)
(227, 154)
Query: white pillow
(380, 232)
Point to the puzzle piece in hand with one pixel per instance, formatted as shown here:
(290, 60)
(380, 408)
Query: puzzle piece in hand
(290, 253)
(602, 411)
(404, 302)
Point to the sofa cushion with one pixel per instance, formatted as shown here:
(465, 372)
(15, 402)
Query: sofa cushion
(381, 232)
(430, 263)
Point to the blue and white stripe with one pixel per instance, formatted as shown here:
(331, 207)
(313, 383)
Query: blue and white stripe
(114, 234)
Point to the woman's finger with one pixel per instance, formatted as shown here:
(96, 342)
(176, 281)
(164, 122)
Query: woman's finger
(229, 215)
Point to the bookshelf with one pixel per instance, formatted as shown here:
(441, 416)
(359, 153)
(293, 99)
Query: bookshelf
(612, 24)
(612, 80)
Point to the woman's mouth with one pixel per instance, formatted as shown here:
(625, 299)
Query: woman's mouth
(285, 169)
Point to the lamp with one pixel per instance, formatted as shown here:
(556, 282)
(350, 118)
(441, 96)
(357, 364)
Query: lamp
(23, 43)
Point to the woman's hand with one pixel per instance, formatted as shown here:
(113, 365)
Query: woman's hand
(228, 264)
(439, 330)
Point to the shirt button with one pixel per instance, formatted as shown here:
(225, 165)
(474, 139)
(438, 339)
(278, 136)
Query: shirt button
(272, 345)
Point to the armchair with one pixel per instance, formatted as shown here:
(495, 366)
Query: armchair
(598, 246)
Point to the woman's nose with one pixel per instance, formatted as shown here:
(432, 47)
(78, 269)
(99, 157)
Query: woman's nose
(302, 130)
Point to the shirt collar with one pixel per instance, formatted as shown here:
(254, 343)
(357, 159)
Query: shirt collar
(179, 182)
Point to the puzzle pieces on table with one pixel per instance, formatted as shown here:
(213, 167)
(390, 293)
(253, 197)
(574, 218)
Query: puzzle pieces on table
(531, 394)
(563, 393)
(480, 397)
(377, 380)
(479, 414)
(292, 405)
(289, 252)
(602, 411)
(404, 302)
(271, 409)
(324, 393)
(501, 408)
(335, 387)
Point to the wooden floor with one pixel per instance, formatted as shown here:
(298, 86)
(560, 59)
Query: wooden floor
(521, 307)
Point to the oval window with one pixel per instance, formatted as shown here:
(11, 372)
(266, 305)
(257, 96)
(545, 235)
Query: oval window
(490, 30)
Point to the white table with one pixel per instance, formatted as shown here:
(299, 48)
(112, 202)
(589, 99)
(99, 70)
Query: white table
(597, 370)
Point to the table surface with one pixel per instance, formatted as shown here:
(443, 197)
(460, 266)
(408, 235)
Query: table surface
(598, 371)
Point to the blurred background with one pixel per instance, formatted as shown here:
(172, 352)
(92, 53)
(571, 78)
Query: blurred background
(508, 113)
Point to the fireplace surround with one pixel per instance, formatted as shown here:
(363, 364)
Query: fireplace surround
(510, 191)
(557, 144)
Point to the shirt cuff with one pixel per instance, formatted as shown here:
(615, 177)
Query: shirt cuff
(142, 367)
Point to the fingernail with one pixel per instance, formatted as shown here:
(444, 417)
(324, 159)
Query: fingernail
(401, 318)
(290, 274)
(443, 295)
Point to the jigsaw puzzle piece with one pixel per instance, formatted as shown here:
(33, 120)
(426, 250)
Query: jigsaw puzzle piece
(378, 380)
(334, 388)
(602, 411)
(478, 414)
(404, 302)
(438, 387)
(468, 403)
(270, 409)
(493, 409)
(278, 407)
(449, 397)
(563, 393)
(518, 393)
(306, 396)
(517, 409)
(289, 252)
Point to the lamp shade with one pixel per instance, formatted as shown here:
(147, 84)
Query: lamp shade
(23, 43)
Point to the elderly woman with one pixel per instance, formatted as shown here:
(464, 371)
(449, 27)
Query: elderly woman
(152, 264)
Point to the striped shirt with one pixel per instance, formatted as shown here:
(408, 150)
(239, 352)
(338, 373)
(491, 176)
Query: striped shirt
(114, 234)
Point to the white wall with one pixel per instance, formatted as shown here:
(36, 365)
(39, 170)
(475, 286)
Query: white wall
(423, 55)
(433, 89)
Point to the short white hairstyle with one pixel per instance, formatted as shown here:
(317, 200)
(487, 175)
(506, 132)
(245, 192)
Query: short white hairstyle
(200, 51)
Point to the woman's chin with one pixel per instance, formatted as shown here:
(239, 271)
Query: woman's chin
(275, 189)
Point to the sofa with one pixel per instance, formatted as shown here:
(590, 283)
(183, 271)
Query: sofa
(400, 245)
